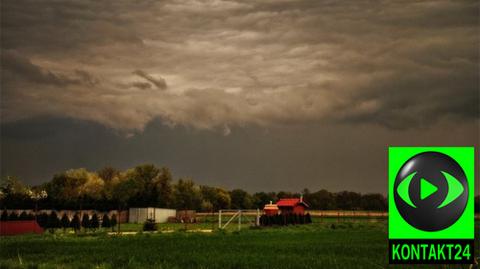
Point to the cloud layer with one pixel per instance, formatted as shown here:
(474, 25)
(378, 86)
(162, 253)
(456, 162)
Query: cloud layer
(219, 64)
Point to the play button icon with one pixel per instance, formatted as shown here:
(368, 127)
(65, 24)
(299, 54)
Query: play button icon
(426, 189)
(431, 191)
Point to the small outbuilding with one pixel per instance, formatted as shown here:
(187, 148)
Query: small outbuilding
(270, 209)
(140, 215)
(292, 206)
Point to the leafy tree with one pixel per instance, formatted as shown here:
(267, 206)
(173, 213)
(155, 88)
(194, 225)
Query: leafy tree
(284, 194)
(163, 188)
(65, 222)
(64, 189)
(241, 199)
(75, 223)
(206, 206)
(374, 202)
(122, 193)
(14, 193)
(217, 197)
(187, 195)
(146, 193)
(260, 199)
(108, 174)
(85, 221)
(94, 223)
(347, 200)
(106, 221)
(322, 199)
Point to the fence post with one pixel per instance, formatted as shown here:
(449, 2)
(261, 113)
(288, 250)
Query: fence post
(219, 219)
(239, 220)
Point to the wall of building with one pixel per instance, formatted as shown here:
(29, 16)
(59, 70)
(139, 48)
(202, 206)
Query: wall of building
(140, 215)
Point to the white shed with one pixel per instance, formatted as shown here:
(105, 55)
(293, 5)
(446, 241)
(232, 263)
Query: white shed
(140, 215)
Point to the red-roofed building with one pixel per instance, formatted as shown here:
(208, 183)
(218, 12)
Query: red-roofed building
(270, 209)
(292, 206)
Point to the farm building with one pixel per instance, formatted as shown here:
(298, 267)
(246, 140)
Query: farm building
(292, 206)
(160, 215)
(271, 209)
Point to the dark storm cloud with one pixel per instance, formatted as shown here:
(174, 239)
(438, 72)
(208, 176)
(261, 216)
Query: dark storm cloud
(399, 64)
(159, 83)
(278, 158)
(298, 93)
(15, 65)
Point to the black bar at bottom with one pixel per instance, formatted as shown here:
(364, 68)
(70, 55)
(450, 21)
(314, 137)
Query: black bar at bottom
(419, 251)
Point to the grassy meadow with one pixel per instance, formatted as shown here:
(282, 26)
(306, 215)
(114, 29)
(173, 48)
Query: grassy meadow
(322, 244)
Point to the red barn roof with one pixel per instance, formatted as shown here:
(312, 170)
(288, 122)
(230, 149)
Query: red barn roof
(291, 202)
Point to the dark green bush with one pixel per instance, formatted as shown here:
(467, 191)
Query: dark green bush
(42, 220)
(94, 223)
(65, 221)
(308, 218)
(106, 221)
(113, 221)
(85, 221)
(53, 222)
(75, 223)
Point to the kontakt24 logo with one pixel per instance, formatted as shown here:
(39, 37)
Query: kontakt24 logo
(431, 207)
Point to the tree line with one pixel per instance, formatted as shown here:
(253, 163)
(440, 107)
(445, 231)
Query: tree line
(151, 186)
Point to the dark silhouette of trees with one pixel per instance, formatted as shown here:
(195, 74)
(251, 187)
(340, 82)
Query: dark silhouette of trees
(106, 221)
(75, 223)
(241, 199)
(65, 222)
(53, 222)
(94, 223)
(187, 195)
(113, 221)
(85, 222)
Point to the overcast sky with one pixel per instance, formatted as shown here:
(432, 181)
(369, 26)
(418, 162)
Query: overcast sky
(261, 95)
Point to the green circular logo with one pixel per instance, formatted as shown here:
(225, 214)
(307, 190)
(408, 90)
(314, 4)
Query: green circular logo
(431, 191)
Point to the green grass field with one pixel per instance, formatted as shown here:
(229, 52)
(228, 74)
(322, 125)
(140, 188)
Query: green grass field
(360, 244)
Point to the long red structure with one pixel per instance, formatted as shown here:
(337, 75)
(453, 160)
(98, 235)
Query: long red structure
(14, 227)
